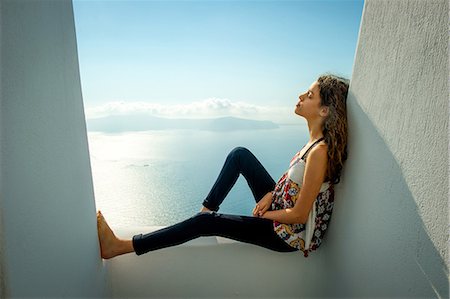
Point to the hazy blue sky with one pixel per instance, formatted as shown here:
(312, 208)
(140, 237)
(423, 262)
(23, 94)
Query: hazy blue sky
(210, 58)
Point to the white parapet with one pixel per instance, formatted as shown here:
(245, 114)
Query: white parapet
(48, 229)
(214, 267)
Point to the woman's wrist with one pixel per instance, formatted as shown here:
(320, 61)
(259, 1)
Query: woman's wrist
(268, 197)
(267, 215)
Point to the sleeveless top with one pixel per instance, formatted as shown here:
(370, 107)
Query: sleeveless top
(305, 237)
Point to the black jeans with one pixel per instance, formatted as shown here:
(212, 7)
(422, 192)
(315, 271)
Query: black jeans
(246, 229)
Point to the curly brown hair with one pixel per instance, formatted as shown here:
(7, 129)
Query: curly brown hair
(333, 94)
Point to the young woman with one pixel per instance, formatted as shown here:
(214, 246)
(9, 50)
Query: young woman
(290, 215)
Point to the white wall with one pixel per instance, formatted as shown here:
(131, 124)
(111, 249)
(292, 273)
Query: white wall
(390, 231)
(49, 222)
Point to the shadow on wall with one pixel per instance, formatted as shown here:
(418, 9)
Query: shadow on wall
(382, 246)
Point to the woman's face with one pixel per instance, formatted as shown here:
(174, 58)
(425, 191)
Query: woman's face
(309, 102)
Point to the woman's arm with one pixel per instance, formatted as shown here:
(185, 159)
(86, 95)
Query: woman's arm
(315, 169)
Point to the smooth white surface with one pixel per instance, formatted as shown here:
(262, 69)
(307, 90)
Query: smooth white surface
(49, 224)
(400, 82)
(211, 267)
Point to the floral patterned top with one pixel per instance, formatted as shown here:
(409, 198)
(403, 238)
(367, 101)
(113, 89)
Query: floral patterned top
(305, 237)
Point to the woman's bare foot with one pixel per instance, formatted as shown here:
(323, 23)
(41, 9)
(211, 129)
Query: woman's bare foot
(110, 245)
(204, 209)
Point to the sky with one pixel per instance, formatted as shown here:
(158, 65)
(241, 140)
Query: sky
(204, 59)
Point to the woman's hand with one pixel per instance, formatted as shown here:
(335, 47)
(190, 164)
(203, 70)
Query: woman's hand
(263, 205)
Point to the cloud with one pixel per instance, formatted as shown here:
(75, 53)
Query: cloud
(209, 108)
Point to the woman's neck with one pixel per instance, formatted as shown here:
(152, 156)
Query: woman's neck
(315, 130)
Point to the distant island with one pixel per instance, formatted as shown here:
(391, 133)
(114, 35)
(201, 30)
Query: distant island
(123, 123)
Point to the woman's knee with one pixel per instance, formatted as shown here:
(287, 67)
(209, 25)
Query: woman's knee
(204, 221)
(204, 217)
(239, 152)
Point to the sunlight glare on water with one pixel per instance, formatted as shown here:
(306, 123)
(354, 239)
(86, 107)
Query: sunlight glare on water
(162, 177)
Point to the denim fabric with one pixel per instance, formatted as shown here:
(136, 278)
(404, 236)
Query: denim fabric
(246, 229)
(239, 161)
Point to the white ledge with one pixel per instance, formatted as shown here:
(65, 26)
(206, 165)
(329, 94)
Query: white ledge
(209, 267)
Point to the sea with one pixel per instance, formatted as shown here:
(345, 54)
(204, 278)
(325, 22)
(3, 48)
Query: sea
(161, 177)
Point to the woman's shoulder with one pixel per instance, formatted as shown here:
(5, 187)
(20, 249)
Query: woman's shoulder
(320, 151)
(320, 147)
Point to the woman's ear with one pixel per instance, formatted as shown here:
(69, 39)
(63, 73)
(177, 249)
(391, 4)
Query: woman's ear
(324, 110)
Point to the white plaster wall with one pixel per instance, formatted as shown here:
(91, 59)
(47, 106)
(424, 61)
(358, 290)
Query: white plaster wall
(389, 234)
(404, 45)
(49, 223)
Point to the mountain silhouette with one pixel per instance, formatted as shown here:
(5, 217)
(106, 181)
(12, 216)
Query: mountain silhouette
(123, 123)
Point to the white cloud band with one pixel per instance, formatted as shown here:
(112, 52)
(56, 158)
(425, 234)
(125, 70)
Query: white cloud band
(209, 108)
